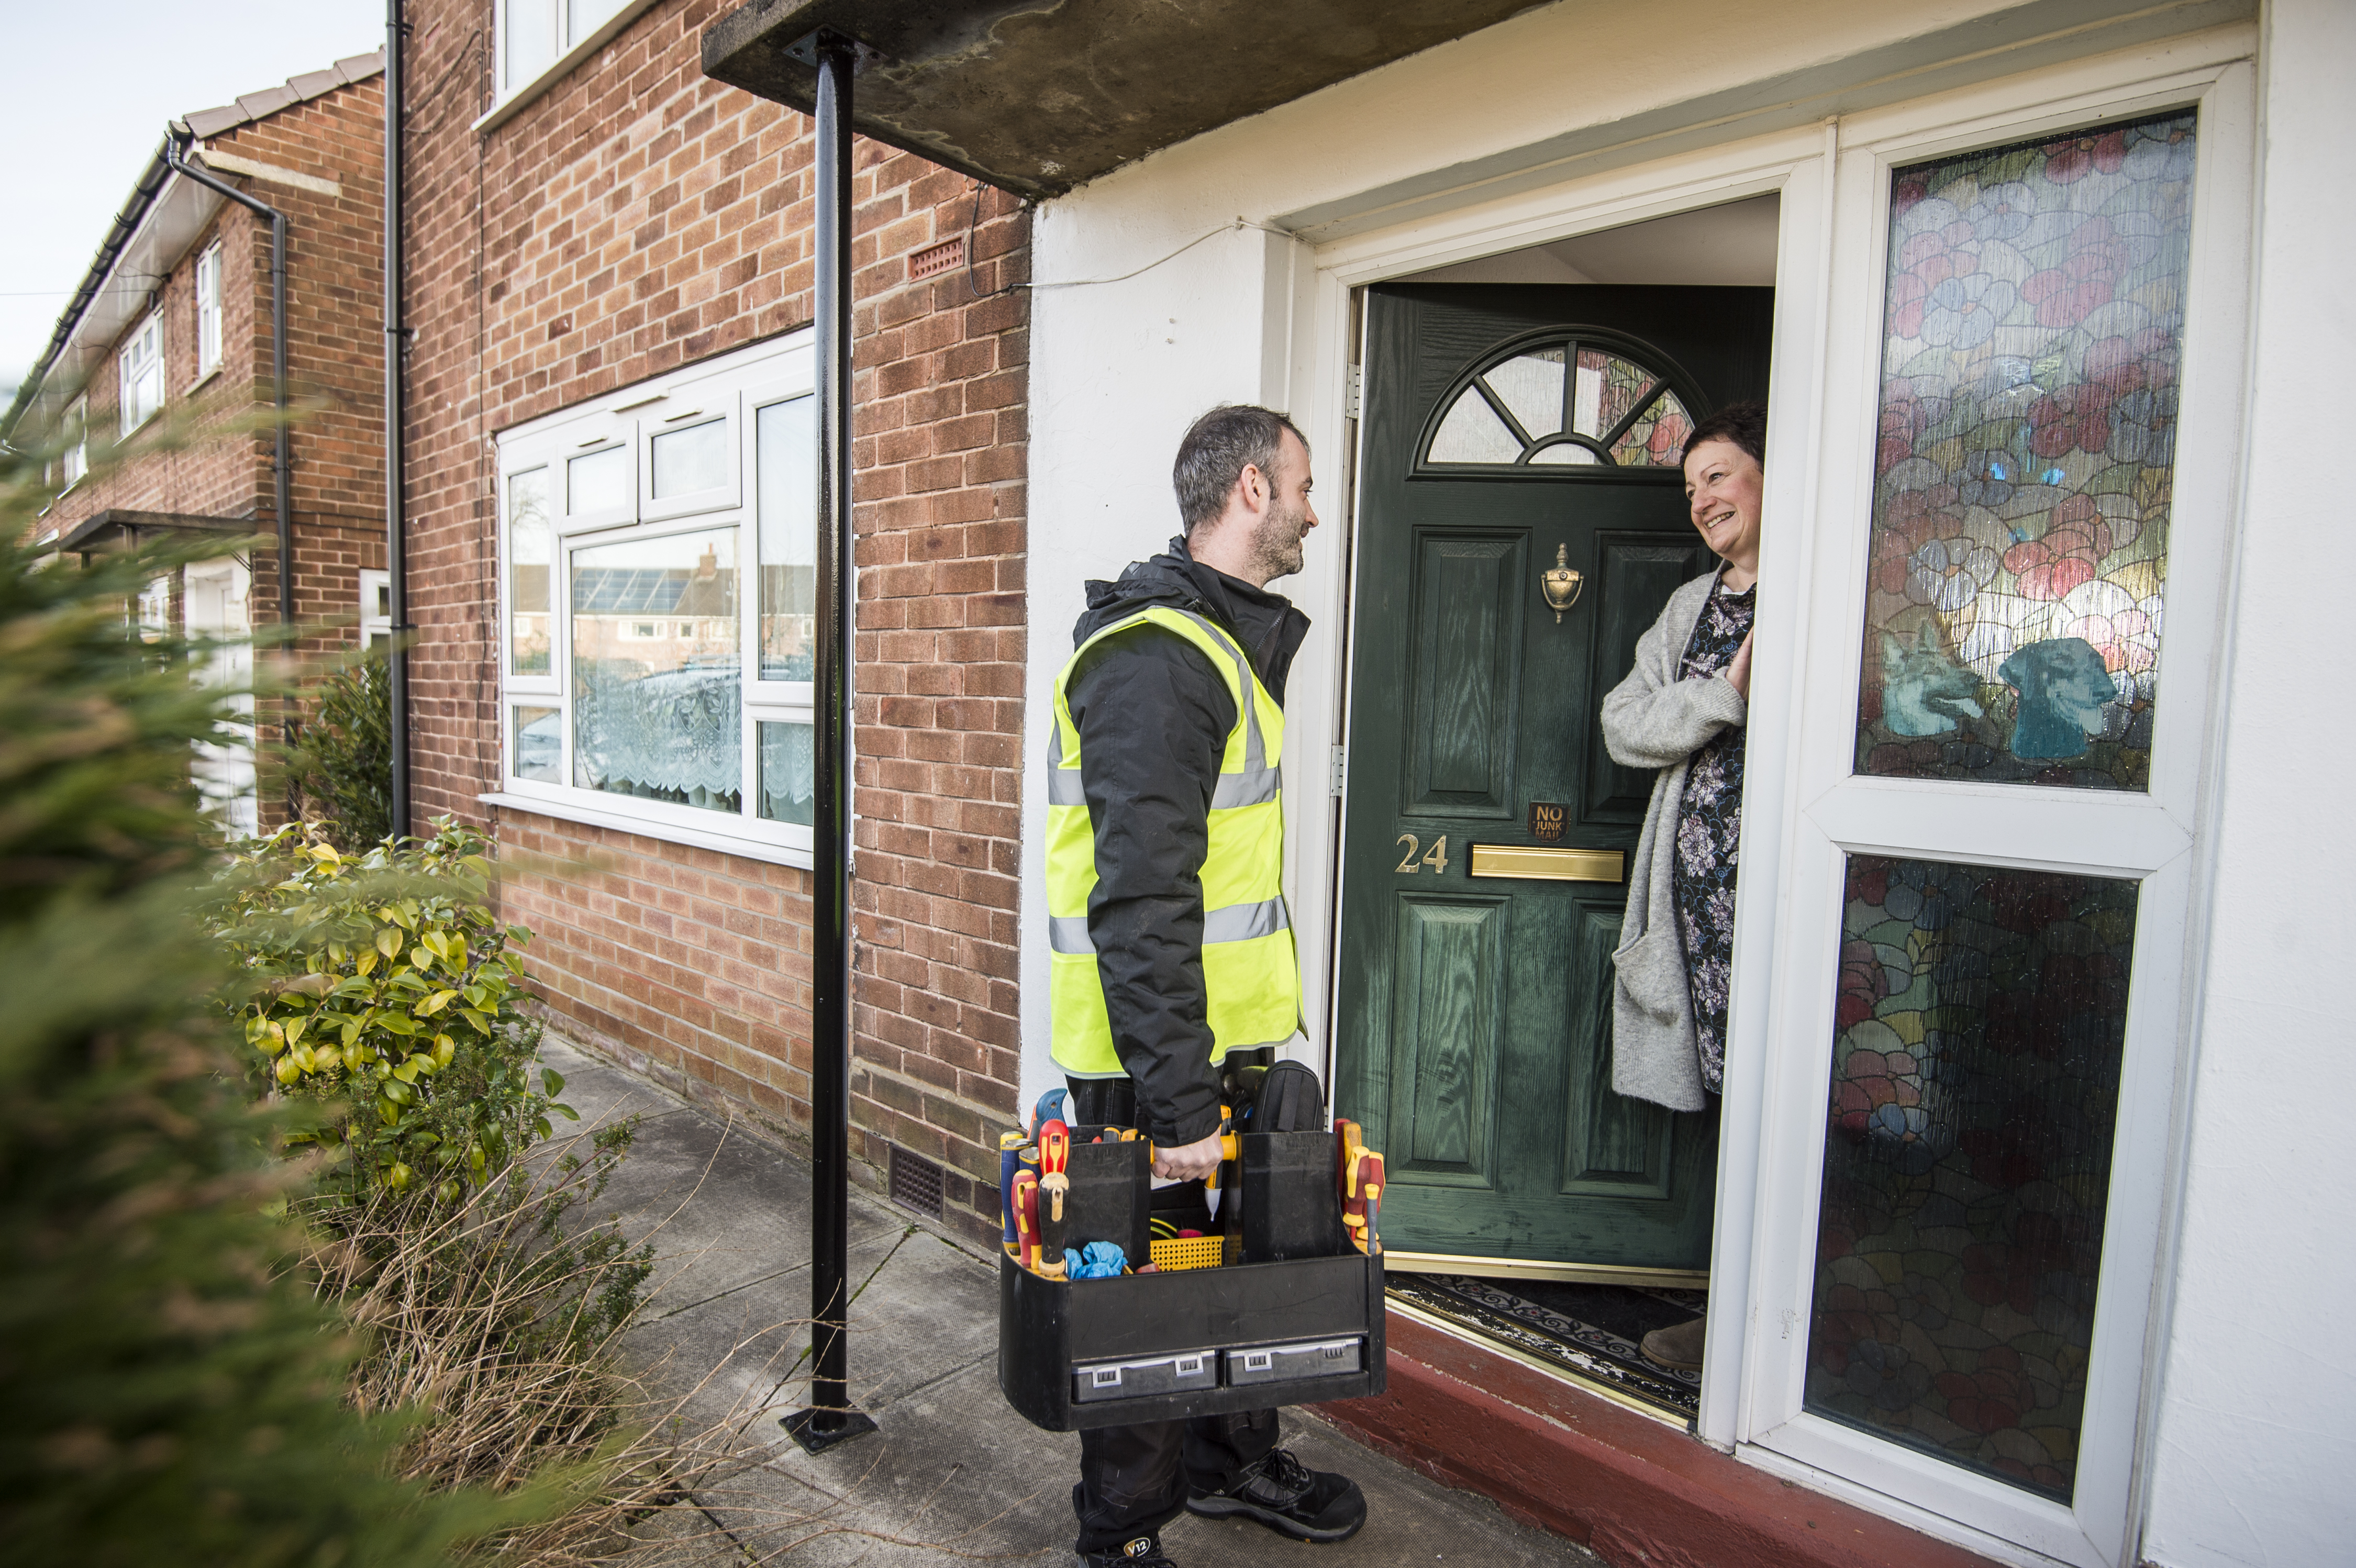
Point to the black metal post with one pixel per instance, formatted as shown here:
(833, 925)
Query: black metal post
(396, 339)
(830, 1417)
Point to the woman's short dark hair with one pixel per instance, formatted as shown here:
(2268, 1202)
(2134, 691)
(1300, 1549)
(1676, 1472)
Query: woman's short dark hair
(1217, 448)
(1744, 424)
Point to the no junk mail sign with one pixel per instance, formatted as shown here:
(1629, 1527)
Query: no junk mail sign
(1546, 821)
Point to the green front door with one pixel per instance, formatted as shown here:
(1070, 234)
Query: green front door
(1511, 432)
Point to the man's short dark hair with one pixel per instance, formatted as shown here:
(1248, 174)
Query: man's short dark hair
(1744, 424)
(1217, 448)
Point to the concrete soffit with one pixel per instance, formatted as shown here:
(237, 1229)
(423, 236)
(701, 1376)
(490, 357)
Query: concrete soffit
(2023, 38)
(1038, 96)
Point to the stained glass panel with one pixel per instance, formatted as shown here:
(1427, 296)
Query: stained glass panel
(1605, 388)
(1982, 1017)
(1608, 386)
(1658, 439)
(2034, 311)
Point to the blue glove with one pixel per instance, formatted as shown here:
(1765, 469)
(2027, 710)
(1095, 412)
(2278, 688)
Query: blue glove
(1100, 1261)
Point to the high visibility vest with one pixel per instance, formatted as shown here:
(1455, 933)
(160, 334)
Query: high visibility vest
(1251, 973)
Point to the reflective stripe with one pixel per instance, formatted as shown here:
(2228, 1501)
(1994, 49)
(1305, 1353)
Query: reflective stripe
(1242, 922)
(1064, 787)
(1255, 748)
(1244, 788)
(1236, 923)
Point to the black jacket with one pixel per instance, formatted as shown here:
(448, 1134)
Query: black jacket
(1154, 716)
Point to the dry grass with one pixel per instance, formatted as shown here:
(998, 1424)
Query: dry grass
(498, 1321)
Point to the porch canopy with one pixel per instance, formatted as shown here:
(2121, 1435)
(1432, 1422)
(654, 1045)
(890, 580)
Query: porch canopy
(1038, 96)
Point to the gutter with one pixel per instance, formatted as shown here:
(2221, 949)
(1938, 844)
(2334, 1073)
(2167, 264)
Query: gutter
(173, 153)
(134, 212)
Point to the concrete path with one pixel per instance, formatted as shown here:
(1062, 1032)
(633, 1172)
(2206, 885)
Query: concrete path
(952, 1474)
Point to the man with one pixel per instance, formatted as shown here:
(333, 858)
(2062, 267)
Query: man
(1170, 943)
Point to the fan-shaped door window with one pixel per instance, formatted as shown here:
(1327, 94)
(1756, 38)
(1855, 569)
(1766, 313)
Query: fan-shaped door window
(1563, 403)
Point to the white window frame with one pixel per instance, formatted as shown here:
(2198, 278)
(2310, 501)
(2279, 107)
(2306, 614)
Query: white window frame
(140, 364)
(574, 39)
(1804, 716)
(2153, 837)
(376, 606)
(75, 464)
(733, 389)
(209, 313)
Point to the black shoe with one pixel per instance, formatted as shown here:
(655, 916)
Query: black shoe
(1286, 1495)
(1145, 1551)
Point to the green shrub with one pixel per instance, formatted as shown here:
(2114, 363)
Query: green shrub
(172, 1390)
(344, 761)
(382, 989)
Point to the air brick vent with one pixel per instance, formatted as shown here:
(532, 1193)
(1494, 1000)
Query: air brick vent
(915, 1183)
(934, 259)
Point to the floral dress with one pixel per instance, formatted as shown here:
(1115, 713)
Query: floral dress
(1709, 831)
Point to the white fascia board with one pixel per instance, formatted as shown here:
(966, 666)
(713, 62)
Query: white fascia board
(161, 239)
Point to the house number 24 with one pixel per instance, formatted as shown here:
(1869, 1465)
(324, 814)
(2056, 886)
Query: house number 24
(1437, 859)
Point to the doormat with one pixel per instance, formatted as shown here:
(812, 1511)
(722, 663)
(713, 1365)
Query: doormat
(1591, 1332)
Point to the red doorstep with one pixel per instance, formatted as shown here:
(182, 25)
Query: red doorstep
(1639, 1493)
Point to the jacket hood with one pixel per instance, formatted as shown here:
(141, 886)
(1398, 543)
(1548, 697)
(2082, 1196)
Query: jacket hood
(1270, 629)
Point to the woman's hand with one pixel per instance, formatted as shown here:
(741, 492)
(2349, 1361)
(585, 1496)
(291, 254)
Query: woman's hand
(1738, 669)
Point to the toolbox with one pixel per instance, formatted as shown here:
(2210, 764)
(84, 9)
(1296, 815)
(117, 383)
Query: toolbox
(1290, 1311)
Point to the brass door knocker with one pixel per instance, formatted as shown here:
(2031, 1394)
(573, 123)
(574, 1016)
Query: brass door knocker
(1560, 584)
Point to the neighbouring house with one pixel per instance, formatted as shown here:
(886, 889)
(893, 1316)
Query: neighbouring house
(171, 329)
(2031, 1024)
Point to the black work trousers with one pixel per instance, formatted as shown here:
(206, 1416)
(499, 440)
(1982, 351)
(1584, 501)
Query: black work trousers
(1134, 1479)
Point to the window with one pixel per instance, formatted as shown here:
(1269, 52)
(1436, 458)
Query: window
(375, 608)
(1563, 401)
(657, 585)
(77, 430)
(208, 311)
(536, 34)
(2032, 326)
(142, 367)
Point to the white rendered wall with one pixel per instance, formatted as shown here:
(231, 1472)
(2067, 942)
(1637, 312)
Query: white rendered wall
(2256, 1458)
(1119, 367)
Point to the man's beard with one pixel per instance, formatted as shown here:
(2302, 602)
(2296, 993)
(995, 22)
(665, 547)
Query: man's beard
(1277, 545)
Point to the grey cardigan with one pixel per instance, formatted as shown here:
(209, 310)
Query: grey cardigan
(1653, 719)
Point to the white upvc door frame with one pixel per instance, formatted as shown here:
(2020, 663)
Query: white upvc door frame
(2153, 838)
(1796, 166)
(1803, 811)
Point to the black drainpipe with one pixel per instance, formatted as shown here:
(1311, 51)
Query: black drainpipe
(281, 468)
(396, 342)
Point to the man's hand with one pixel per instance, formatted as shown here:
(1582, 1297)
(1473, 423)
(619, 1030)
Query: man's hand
(1191, 1161)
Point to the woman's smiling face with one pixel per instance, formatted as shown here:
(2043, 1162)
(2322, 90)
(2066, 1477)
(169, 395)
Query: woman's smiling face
(1723, 489)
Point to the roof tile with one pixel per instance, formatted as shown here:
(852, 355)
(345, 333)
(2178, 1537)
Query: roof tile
(213, 122)
(360, 67)
(269, 101)
(312, 83)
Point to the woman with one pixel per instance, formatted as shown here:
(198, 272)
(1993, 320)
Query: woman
(1683, 710)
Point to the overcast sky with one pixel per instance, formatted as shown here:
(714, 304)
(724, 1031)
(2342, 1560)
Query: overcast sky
(84, 92)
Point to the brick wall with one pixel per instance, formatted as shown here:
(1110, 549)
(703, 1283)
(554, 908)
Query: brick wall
(635, 218)
(335, 361)
(206, 474)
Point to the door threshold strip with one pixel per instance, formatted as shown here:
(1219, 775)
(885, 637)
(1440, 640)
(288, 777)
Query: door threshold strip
(1557, 1370)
